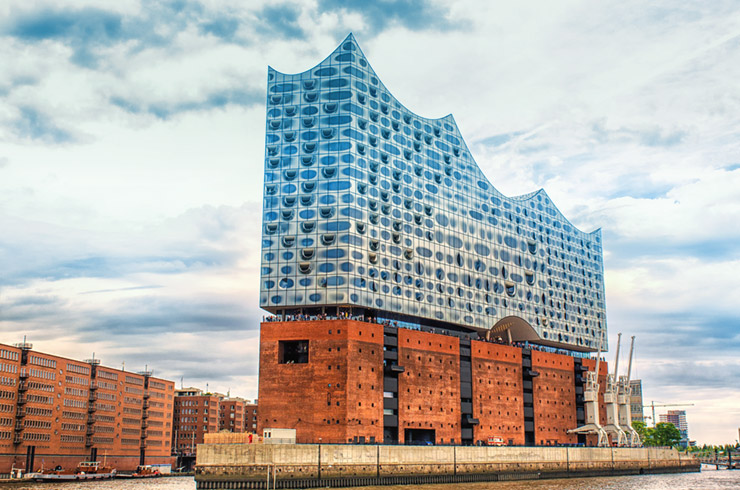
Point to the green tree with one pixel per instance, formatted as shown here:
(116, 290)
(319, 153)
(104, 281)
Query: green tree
(663, 434)
(640, 427)
(666, 434)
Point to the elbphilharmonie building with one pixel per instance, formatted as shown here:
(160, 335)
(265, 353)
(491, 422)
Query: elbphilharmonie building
(372, 210)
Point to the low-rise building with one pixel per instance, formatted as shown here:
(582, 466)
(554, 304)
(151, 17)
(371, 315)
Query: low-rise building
(198, 413)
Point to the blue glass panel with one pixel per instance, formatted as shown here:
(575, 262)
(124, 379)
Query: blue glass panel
(336, 185)
(325, 72)
(338, 95)
(354, 71)
(338, 146)
(335, 226)
(334, 281)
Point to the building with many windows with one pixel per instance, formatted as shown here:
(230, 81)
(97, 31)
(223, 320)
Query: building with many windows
(678, 419)
(198, 413)
(636, 403)
(370, 209)
(59, 411)
(411, 299)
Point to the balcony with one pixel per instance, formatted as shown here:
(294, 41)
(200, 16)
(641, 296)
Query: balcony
(91, 407)
(18, 438)
(22, 386)
(88, 441)
(93, 397)
(145, 406)
(90, 430)
(22, 400)
(20, 413)
(147, 394)
(93, 385)
(145, 415)
(144, 425)
(24, 374)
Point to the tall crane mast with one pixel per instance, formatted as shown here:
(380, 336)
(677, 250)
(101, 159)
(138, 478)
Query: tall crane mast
(611, 403)
(625, 413)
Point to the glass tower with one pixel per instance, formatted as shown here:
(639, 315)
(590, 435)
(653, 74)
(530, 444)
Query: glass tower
(374, 210)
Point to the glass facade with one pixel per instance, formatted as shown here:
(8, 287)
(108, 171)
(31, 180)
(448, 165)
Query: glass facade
(371, 207)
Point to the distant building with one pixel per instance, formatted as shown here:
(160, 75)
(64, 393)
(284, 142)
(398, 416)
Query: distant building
(250, 417)
(678, 418)
(56, 411)
(636, 400)
(198, 413)
(232, 415)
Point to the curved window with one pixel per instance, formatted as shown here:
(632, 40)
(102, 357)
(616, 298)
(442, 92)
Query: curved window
(510, 288)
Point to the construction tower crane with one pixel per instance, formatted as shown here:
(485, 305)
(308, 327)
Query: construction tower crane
(661, 405)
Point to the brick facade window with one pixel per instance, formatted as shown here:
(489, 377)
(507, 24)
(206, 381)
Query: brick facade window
(293, 352)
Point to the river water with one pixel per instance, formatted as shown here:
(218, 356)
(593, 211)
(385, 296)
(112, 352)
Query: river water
(706, 480)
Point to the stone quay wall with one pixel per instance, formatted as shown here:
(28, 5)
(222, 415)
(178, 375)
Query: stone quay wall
(313, 465)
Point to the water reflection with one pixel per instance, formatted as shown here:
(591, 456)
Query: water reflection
(706, 480)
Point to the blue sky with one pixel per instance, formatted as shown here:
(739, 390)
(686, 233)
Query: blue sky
(132, 142)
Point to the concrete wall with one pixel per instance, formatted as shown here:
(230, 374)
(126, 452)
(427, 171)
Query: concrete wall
(236, 462)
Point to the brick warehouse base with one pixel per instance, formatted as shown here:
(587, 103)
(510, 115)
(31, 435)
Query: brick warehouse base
(349, 381)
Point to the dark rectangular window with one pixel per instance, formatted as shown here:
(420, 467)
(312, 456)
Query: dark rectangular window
(293, 352)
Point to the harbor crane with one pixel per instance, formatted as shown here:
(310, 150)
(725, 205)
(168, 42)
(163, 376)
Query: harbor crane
(591, 406)
(611, 395)
(624, 391)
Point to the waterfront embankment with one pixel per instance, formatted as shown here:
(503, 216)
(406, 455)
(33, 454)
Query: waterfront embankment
(312, 465)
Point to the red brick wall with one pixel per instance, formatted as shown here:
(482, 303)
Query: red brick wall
(555, 400)
(497, 392)
(60, 390)
(429, 388)
(321, 399)
(365, 381)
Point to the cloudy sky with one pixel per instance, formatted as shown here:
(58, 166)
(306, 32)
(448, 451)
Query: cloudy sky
(132, 142)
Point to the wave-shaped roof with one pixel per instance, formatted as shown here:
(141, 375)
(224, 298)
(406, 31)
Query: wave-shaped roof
(449, 119)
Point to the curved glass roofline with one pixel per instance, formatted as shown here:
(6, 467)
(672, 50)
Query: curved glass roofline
(449, 118)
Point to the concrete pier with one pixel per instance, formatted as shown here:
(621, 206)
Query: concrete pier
(225, 466)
